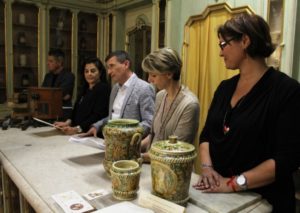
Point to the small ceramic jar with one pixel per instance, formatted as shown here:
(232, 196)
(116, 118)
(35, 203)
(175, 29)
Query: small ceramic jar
(23, 60)
(171, 169)
(125, 177)
(22, 18)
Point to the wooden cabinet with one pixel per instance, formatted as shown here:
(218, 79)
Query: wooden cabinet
(30, 28)
(2, 56)
(25, 43)
(87, 42)
(60, 33)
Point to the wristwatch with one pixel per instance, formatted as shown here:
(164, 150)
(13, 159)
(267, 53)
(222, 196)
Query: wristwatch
(79, 130)
(241, 181)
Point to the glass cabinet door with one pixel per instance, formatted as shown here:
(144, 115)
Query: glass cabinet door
(2, 57)
(60, 33)
(25, 39)
(87, 42)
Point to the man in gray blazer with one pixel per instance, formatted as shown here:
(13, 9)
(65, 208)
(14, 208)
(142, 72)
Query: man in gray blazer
(130, 97)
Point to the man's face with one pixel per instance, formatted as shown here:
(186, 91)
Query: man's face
(117, 71)
(53, 64)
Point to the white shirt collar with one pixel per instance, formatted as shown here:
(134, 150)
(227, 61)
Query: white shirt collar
(128, 82)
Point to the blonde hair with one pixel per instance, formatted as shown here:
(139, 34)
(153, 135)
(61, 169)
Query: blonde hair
(162, 61)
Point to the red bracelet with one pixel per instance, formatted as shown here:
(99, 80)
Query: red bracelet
(230, 182)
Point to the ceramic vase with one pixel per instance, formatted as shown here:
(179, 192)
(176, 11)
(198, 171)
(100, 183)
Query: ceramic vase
(171, 169)
(125, 177)
(122, 141)
(22, 18)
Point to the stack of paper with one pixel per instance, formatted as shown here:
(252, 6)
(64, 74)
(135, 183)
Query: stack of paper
(89, 141)
(124, 207)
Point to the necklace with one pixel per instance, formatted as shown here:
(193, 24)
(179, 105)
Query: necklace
(168, 106)
(228, 114)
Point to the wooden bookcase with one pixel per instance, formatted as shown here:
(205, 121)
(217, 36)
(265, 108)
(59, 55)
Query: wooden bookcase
(25, 42)
(2, 56)
(87, 40)
(60, 33)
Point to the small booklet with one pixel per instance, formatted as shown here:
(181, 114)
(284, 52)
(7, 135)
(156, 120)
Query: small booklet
(124, 207)
(72, 202)
(89, 141)
(95, 194)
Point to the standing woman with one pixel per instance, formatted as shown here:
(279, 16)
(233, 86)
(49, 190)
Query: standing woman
(176, 107)
(251, 136)
(92, 103)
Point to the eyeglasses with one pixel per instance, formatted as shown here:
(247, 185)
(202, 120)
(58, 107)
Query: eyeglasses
(223, 44)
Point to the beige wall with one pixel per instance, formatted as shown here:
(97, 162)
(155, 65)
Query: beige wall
(131, 16)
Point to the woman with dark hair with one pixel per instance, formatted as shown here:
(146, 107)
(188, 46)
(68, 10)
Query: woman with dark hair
(251, 136)
(92, 103)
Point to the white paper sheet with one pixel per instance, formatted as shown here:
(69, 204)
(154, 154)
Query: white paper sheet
(89, 141)
(124, 207)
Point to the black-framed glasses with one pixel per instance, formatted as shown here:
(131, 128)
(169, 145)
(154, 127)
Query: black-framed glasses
(223, 44)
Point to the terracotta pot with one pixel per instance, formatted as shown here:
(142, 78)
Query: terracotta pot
(125, 177)
(122, 141)
(171, 169)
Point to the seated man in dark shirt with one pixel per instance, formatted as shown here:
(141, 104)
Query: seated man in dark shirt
(58, 77)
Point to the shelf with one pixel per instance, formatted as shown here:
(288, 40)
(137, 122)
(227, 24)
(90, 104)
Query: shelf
(28, 26)
(22, 88)
(16, 46)
(86, 50)
(80, 33)
(25, 68)
(52, 29)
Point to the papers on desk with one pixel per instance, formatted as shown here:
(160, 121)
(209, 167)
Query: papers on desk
(89, 141)
(72, 202)
(46, 123)
(158, 205)
(96, 194)
(124, 207)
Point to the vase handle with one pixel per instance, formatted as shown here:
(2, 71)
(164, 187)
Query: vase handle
(136, 137)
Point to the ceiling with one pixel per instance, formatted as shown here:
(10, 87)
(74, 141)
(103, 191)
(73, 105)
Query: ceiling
(101, 5)
(98, 1)
(118, 3)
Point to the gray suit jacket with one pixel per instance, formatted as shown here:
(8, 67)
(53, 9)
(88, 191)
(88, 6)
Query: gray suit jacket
(138, 104)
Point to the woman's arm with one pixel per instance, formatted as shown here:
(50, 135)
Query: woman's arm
(261, 175)
(209, 178)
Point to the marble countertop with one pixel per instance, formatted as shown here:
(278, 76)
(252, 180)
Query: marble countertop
(42, 162)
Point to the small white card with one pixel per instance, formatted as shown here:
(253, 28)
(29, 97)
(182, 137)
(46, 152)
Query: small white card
(158, 205)
(72, 202)
(95, 194)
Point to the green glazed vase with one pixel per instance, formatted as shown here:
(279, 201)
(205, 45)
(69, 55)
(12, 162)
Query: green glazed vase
(122, 141)
(171, 169)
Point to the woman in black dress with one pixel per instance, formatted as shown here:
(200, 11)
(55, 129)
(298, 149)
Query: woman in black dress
(92, 104)
(251, 136)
